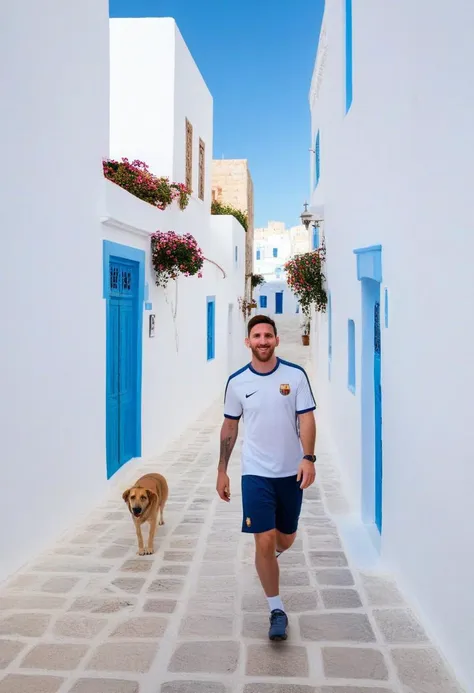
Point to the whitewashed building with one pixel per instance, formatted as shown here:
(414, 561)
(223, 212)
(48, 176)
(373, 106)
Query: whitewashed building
(274, 245)
(393, 146)
(68, 232)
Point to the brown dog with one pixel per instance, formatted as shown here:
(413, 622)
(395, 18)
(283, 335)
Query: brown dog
(144, 500)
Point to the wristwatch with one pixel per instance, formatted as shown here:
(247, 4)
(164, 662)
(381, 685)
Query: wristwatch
(311, 458)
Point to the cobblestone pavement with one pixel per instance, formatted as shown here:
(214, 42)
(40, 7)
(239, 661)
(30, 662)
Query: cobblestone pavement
(90, 616)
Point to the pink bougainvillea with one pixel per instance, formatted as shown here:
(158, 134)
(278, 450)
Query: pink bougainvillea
(173, 255)
(305, 277)
(136, 178)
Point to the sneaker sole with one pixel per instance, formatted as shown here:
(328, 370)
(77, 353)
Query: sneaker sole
(278, 638)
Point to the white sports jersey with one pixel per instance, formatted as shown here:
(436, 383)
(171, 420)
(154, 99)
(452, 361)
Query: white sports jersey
(269, 404)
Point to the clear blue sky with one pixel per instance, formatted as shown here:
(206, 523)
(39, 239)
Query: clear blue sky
(257, 59)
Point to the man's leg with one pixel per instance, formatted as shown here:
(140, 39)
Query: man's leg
(289, 501)
(259, 508)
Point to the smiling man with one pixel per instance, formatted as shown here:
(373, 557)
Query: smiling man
(276, 401)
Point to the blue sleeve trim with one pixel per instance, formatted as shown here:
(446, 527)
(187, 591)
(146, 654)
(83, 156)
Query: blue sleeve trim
(305, 411)
(241, 370)
(234, 418)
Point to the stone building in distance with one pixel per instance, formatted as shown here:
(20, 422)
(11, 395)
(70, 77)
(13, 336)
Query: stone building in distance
(232, 184)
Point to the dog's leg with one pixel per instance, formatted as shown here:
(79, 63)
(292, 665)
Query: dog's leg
(141, 548)
(151, 536)
(162, 507)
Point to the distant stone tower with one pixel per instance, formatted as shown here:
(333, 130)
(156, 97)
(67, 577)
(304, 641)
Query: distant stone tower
(232, 184)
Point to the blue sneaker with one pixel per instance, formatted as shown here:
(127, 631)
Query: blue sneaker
(278, 625)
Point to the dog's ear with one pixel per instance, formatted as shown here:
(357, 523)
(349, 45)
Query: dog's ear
(152, 495)
(126, 494)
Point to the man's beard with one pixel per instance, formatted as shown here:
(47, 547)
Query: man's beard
(263, 355)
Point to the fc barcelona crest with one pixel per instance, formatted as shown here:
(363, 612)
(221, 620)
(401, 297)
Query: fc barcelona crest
(284, 389)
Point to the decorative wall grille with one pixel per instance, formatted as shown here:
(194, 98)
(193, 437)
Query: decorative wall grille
(202, 159)
(189, 155)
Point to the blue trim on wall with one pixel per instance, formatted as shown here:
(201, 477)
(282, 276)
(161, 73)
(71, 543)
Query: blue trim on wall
(211, 327)
(348, 31)
(386, 306)
(317, 159)
(369, 263)
(148, 306)
(125, 252)
(351, 357)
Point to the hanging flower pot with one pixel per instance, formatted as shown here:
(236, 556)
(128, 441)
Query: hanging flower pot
(173, 255)
(305, 339)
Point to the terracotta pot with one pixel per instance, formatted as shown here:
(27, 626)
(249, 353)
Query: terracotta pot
(305, 339)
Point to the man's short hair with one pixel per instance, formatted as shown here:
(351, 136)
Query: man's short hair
(259, 320)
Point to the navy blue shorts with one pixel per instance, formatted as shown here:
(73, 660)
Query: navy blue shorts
(270, 504)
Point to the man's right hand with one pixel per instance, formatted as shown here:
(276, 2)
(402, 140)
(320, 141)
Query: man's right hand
(223, 486)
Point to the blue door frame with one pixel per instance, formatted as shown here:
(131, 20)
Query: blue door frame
(278, 302)
(123, 289)
(369, 272)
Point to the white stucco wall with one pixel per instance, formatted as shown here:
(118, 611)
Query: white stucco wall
(178, 381)
(142, 79)
(396, 171)
(54, 121)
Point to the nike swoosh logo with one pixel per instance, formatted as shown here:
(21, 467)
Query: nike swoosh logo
(252, 393)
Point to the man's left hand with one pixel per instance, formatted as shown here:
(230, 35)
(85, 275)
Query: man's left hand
(307, 473)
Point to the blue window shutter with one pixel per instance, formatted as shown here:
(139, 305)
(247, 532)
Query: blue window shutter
(348, 54)
(263, 301)
(351, 359)
(275, 252)
(258, 254)
(211, 328)
(317, 159)
(315, 237)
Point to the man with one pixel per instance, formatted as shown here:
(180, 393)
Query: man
(276, 401)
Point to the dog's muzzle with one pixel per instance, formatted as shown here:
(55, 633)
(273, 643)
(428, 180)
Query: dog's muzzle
(137, 511)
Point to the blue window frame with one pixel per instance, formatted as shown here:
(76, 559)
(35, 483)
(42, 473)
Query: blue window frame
(351, 359)
(258, 254)
(348, 54)
(211, 327)
(386, 306)
(275, 252)
(263, 301)
(315, 237)
(317, 159)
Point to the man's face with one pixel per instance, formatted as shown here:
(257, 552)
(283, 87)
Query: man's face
(262, 341)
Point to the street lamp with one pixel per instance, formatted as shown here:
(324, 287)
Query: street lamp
(306, 217)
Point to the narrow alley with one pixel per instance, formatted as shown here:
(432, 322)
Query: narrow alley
(90, 616)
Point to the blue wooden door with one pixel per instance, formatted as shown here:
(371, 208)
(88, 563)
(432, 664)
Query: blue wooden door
(279, 302)
(122, 363)
(378, 418)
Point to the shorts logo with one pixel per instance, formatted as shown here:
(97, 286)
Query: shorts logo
(248, 522)
(284, 389)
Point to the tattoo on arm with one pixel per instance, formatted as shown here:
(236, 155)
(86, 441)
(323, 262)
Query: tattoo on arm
(228, 438)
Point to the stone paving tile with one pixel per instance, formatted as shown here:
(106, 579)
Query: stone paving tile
(104, 686)
(266, 660)
(93, 617)
(54, 656)
(219, 657)
(354, 663)
(17, 683)
(9, 650)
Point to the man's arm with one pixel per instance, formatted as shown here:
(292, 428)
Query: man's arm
(307, 470)
(229, 432)
(307, 424)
